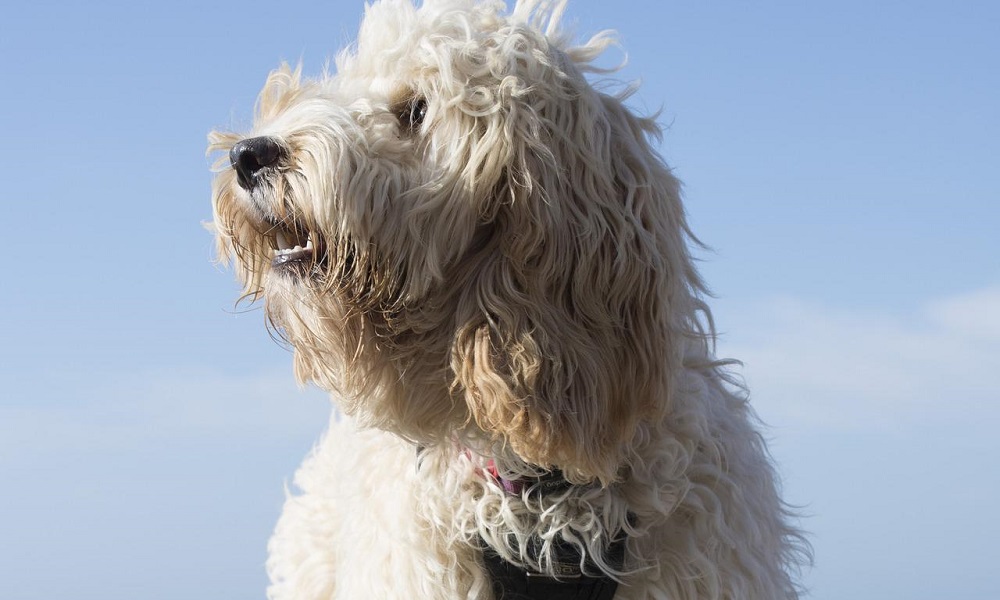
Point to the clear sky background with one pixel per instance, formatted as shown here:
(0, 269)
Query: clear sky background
(841, 158)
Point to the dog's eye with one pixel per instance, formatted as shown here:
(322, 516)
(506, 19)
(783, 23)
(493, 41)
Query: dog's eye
(412, 114)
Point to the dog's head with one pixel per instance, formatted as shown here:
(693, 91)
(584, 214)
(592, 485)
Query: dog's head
(461, 236)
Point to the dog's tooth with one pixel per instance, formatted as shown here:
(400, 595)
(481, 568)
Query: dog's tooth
(280, 237)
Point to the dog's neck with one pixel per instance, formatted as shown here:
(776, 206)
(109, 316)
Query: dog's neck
(572, 573)
(547, 483)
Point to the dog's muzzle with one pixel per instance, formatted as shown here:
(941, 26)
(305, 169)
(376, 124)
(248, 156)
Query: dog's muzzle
(296, 248)
(250, 156)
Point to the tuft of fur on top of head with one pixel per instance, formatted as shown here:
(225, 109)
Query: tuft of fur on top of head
(504, 255)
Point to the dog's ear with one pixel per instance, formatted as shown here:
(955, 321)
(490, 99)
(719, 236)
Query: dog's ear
(567, 338)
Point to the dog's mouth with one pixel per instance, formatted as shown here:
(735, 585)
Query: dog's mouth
(294, 248)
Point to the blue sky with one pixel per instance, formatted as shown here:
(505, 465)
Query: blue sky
(840, 158)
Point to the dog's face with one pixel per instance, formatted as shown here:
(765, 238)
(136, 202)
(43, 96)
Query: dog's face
(461, 237)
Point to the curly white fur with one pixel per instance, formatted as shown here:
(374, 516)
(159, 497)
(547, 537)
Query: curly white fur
(503, 277)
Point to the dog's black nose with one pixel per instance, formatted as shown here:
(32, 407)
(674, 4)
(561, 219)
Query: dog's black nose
(251, 155)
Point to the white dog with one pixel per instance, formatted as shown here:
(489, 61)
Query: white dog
(486, 263)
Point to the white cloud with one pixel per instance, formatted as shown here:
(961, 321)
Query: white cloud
(975, 315)
(810, 365)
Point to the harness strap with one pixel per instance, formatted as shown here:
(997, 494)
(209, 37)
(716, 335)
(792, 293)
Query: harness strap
(511, 582)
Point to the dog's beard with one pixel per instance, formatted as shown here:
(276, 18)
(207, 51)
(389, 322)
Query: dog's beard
(298, 265)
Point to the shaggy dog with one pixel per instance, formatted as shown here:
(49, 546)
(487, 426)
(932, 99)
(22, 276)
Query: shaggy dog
(486, 263)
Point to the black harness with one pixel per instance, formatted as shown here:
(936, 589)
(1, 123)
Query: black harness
(512, 582)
